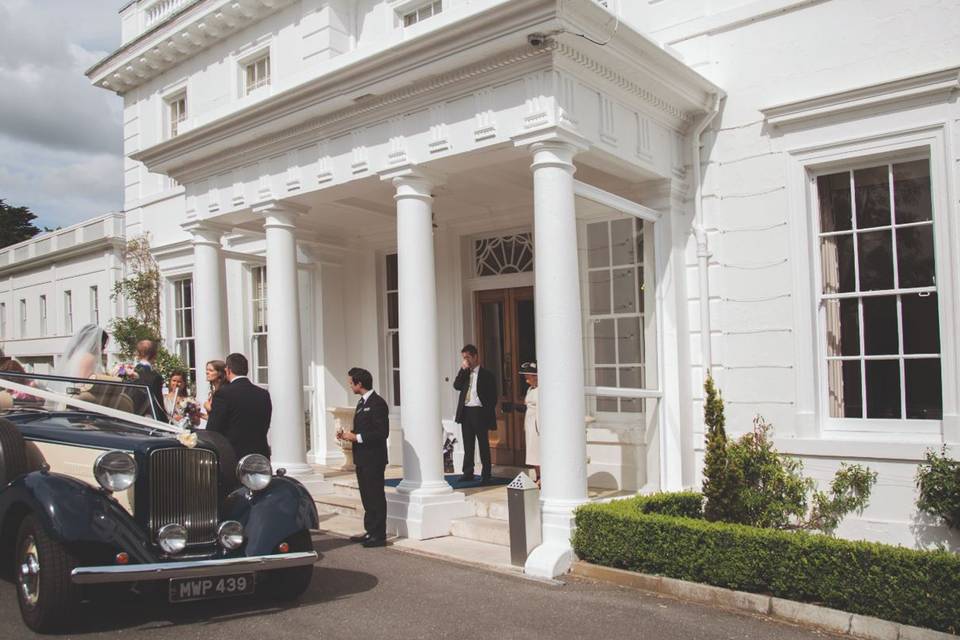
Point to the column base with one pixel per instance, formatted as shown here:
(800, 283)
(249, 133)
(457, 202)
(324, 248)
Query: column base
(416, 515)
(555, 556)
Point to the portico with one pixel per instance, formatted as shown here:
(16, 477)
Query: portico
(368, 218)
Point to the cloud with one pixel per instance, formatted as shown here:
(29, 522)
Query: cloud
(60, 137)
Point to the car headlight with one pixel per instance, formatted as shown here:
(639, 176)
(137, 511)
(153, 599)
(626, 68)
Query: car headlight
(172, 538)
(230, 534)
(115, 470)
(254, 471)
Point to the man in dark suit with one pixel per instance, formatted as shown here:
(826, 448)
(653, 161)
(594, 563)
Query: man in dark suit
(241, 410)
(147, 357)
(476, 411)
(371, 426)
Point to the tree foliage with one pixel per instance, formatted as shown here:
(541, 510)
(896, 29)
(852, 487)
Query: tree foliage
(16, 224)
(938, 481)
(748, 481)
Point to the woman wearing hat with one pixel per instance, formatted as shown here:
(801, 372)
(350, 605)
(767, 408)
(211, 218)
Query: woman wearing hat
(531, 423)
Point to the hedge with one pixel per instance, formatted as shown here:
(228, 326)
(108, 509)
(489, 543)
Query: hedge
(920, 588)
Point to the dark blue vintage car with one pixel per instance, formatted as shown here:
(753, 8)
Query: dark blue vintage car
(91, 495)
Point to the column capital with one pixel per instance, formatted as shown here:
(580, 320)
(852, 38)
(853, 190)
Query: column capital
(412, 181)
(552, 138)
(205, 232)
(279, 213)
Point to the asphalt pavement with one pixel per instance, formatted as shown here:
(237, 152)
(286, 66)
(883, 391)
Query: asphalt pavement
(368, 594)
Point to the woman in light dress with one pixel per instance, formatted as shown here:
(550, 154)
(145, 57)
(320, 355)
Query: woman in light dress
(176, 390)
(216, 374)
(531, 421)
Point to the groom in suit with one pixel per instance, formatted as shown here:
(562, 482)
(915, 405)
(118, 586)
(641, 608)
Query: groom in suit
(476, 411)
(371, 426)
(147, 358)
(241, 410)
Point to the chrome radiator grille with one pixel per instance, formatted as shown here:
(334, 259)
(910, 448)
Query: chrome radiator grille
(183, 490)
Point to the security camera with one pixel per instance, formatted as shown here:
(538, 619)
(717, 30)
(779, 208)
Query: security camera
(536, 39)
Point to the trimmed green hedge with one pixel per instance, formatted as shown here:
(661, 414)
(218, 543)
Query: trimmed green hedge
(920, 588)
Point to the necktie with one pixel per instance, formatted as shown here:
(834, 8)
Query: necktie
(470, 388)
(360, 404)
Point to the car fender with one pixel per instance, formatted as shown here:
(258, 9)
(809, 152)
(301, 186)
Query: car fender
(273, 514)
(74, 513)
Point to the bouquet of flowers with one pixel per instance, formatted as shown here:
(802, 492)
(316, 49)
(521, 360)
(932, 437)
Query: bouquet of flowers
(125, 371)
(187, 412)
(448, 443)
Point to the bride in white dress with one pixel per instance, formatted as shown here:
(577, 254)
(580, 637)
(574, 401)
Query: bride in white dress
(83, 357)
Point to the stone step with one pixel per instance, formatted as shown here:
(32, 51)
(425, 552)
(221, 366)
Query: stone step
(486, 508)
(342, 505)
(482, 530)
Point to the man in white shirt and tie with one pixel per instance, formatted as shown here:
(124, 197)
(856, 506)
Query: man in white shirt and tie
(476, 411)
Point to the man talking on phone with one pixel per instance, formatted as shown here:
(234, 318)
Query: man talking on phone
(476, 411)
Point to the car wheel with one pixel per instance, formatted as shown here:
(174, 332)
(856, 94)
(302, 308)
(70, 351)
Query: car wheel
(13, 453)
(44, 589)
(290, 584)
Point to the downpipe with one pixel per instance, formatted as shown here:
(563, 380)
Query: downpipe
(703, 249)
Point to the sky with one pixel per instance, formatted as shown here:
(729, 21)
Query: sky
(61, 140)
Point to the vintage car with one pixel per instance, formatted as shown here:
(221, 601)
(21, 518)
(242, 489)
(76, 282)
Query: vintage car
(92, 495)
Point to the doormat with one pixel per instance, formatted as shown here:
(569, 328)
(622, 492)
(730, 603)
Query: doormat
(454, 481)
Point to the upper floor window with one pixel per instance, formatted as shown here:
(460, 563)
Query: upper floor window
(257, 73)
(176, 112)
(23, 318)
(3, 320)
(878, 294)
(68, 312)
(422, 12)
(259, 329)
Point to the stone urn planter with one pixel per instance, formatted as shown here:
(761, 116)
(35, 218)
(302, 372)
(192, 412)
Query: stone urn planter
(343, 421)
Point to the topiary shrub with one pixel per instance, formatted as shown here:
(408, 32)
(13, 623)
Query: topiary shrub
(938, 481)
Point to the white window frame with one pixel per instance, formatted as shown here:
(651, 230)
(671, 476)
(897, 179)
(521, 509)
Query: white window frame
(261, 83)
(181, 343)
(23, 317)
(805, 164)
(68, 312)
(43, 315)
(411, 14)
(95, 305)
(256, 336)
(175, 113)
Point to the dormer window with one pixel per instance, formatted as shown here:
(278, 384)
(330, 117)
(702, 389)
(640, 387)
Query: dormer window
(422, 12)
(177, 112)
(257, 73)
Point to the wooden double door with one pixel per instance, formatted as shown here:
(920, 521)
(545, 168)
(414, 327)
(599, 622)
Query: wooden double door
(506, 338)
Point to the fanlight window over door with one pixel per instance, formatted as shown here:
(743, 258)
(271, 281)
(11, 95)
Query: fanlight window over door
(504, 254)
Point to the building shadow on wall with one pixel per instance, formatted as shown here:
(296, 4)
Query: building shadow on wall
(930, 533)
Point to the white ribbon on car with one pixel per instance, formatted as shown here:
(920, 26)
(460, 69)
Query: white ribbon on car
(89, 406)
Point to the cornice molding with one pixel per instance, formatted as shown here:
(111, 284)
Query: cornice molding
(59, 255)
(884, 94)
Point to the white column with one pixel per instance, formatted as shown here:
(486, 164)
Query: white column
(284, 367)
(424, 503)
(210, 306)
(562, 406)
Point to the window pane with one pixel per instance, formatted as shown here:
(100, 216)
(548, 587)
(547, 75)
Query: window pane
(598, 245)
(631, 377)
(629, 340)
(876, 260)
(396, 388)
(880, 325)
(624, 291)
(924, 401)
(844, 389)
(179, 328)
(836, 258)
(599, 292)
(843, 327)
(621, 232)
(911, 191)
(834, 195)
(872, 192)
(606, 378)
(188, 323)
(392, 273)
(883, 388)
(187, 293)
(393, 311)
(631, 405)
(915, 256)
(604, 343)
(921, 323)
(395, 349)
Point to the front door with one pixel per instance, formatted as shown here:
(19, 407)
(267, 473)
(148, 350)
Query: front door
(506, 338)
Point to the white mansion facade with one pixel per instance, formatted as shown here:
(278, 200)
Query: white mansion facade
(625, 191)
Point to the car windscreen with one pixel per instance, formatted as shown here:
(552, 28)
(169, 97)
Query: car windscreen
(34, 392)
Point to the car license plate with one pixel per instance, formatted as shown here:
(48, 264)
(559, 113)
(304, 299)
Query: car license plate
(184, 589)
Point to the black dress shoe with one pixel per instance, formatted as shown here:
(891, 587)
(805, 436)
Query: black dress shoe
(375, 542)
(466, 478)
(362, 538)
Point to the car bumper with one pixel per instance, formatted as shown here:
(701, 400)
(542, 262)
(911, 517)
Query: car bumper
(190, 569)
